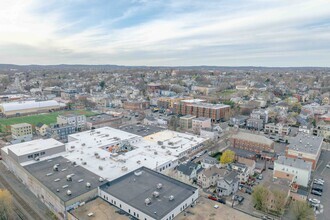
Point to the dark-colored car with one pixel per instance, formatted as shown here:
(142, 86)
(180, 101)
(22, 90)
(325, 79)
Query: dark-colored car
(315, 192)
(317, 187)
(222, 200)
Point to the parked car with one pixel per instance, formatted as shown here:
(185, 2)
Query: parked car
(315, 201)
(222, 200)
(317, 187)
(240, 199)
(315, 192)
(212, 198)
(260, 177)
(216, 206)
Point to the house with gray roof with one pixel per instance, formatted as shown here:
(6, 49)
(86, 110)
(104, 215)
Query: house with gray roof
(187, 172)
(228, 184)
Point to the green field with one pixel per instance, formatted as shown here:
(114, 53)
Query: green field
(46, 118)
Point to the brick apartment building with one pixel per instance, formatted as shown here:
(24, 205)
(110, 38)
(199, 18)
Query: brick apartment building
(252, 142)
(199, 108)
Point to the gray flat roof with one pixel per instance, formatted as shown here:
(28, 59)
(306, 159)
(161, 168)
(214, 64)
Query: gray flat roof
(43, 171)
(141, 130)
(306, 143)
(100, 118)
(293, 162)
(133, 190)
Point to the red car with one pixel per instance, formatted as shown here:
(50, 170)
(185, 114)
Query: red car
(212, 198)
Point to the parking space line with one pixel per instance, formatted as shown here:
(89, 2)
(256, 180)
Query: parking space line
(319, 165)
(323, 170)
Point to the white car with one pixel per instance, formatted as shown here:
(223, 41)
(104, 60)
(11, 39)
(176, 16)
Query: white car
(315, 201)
(216, 206)
(320, 180)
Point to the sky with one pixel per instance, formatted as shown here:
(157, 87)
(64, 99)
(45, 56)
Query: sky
(166, 32)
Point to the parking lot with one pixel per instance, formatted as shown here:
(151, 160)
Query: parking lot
(323, 172)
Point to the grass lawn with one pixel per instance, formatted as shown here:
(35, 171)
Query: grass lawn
(46, 118)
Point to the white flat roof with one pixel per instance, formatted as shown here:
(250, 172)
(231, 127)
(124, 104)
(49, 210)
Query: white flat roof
(15, 106)
(101, 137)
(33, 146)
(106, 164)
(175, 142)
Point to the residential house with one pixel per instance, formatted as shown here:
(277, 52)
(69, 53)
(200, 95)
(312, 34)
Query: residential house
(60, 132)
(251, 164)
(208, 162)
(238, 121)
(242, 170)
(187, 172)
(228, 184)
(210, 176)
(41, 129)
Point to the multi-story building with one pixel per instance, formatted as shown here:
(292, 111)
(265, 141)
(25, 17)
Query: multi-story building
(210, 176)
(41, 129)
(186, 122)
(322, 130)
(251, 142)
(200, 123)
(198, 108)
(299, 168)
(255, 123)
(136, 105)
(260, 114)
(69, 94)
(242, 170)
(168, 102)
(305, 147)
(228, 184)
(21, 131)
(103, 120)
(279, 128)
(239, 121)
(60, 132)
(79, 121)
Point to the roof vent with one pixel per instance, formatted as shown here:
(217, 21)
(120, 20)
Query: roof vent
(159, 186)
(138, 173)
(57, 190)
(68, 192)
(171, 198)
(101, 179)
(100, 168)
(73, 163)
(84, 163)
(155, 194)
(147, 201)
(88, 185)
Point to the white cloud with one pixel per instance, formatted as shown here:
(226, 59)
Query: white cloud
(218, 33)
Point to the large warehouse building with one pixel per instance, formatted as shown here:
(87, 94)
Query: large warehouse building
(58, 182)
(149, 195)
(28, 107)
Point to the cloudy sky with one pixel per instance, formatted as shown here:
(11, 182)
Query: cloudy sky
(166, 32)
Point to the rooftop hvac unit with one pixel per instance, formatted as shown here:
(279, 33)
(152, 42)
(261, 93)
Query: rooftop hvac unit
(88, 185)
(69, 178)
(101, 179)
(147, 201)
(68, 192)
(159, 186)
(171, 198)
(73, 163)
(90, 214)
(57, 190)
(96, 154)
(83, 144)
(84, 163)
(155, 194)
(55, 167)
(81, 180)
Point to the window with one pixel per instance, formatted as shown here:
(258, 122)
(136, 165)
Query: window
(129, 211)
